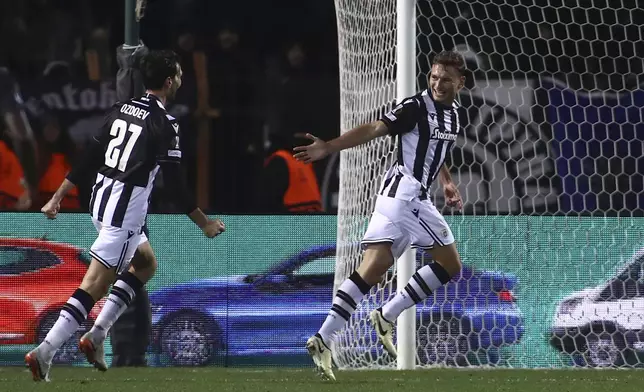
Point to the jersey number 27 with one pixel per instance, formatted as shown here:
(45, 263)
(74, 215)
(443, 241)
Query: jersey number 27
(116, 154)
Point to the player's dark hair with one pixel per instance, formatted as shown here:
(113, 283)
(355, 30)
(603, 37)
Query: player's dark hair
(451, 58)
(156, 66)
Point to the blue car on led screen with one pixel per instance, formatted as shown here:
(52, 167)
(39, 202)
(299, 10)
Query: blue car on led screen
(260, 318)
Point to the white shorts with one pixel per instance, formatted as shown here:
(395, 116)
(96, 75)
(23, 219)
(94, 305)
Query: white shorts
(404, 223)
(114, 247)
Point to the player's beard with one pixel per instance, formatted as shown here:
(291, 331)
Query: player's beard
(447, 97)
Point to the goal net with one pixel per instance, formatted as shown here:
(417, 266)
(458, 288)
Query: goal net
(550, 168)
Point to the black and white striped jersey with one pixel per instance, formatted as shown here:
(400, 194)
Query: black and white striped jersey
(138, 136)
(427, 130)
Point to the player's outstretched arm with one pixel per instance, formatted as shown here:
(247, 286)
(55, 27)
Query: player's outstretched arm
(53, 205)
(172, 173)
(452, 195)
(319, 149)
(210, 228)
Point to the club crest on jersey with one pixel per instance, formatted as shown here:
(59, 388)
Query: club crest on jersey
(437, 134)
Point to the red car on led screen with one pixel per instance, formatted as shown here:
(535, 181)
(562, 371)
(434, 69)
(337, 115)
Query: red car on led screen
(36, 279)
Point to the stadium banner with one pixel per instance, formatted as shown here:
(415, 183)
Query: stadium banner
(255, 294)
(597, 138)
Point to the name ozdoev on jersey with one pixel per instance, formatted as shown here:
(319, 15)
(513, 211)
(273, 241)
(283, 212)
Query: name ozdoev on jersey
(138, 138)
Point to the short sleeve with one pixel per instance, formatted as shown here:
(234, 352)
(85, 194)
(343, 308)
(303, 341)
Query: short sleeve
(169, 149)
(403, 117)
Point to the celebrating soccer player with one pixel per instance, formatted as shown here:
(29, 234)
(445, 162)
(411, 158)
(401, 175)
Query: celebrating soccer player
(427, 126)
(138, 138)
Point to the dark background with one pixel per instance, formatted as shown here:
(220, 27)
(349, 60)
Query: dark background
(273, 70)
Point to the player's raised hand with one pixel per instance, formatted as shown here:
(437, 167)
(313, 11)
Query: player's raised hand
(51, 209)
(313, 152)
(453, 196)
(213, 228)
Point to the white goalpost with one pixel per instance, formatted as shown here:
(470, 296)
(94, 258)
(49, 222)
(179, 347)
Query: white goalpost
(391, 25)
(405, 87)
(550, 115)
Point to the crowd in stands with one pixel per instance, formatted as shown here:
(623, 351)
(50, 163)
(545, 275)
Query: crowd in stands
(270, 73)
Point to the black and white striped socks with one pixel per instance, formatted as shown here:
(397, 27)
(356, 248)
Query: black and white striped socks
(344, 303)
(421, 285)
(73, 314)
(125, 288)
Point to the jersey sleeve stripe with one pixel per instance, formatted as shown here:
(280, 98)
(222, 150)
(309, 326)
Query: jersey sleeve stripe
(424, 134)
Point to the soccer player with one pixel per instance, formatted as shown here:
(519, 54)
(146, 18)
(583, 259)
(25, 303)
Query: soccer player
(138, 138)
(427, 126)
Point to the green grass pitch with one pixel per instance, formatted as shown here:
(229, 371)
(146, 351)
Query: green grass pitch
(306, 380)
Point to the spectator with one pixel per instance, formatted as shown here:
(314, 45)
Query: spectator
(13, 193)
(231, 76)
(15, 126)
(297, 91)
(287, 185)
